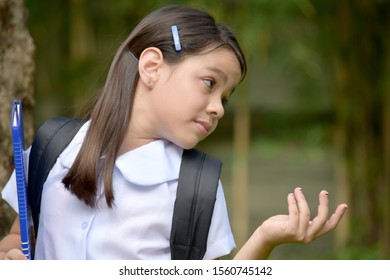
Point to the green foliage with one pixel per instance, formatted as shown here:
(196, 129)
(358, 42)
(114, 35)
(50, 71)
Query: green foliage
(360, 253)
(273, 33)
(312, 64)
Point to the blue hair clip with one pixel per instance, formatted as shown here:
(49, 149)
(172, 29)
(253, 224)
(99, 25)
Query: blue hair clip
(133, 55)
(176, 38)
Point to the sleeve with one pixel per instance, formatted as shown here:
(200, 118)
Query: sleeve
(220, 240)
(9, 193)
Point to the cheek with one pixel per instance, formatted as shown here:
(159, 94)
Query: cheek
(215, 125)
(183, 95)
(189, 99)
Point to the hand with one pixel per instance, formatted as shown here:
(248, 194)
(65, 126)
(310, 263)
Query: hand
(15, 254)
(296, 227)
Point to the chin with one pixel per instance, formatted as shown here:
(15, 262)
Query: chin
(187, 145)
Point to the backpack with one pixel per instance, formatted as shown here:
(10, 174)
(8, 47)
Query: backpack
(196, 192)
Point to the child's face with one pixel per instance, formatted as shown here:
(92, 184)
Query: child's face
(189, 96)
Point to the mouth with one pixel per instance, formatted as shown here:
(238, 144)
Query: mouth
(204, 126)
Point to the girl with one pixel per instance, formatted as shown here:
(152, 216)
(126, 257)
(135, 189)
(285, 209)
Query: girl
(111, 193)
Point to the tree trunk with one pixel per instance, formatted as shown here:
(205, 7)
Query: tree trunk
(16, 82)
(240, 173)
(386, 155)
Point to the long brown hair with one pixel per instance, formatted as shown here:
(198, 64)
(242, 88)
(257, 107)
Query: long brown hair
(111, 110)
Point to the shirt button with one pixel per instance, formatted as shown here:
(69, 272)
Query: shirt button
(84, 225)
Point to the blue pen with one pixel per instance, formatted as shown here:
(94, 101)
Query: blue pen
(25, 218)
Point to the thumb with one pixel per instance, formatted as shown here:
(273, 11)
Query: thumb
(15, 254)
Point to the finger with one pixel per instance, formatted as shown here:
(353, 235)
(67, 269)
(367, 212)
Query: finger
(293, 212)
(322, 216)
(15, 254)
(304, 212)
(334, 219)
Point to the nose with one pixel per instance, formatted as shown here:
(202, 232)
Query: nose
(215, 108)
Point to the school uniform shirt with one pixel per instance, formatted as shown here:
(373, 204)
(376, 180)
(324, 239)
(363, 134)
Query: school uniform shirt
(138, 226)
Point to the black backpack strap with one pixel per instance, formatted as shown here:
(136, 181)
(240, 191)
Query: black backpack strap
(194, 205)
(49, 141)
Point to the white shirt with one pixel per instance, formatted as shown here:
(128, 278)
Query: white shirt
(139, 224)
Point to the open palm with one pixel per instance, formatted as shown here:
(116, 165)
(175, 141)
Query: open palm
(297, 227)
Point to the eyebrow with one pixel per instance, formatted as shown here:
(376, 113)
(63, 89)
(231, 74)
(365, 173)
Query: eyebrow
(219, 72)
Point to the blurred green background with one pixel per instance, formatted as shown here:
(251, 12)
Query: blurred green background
(312, 112)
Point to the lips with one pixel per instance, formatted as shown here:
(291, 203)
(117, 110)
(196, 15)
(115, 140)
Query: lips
(204, 126)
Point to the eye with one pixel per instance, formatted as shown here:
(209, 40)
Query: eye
(209, 83)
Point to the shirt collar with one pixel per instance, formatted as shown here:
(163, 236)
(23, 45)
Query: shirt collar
(151, 164)
(154, 163)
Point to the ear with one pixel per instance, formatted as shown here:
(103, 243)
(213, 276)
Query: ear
(150, 63)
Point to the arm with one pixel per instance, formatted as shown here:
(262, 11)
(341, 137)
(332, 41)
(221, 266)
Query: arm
(296, 227)
(10, 244)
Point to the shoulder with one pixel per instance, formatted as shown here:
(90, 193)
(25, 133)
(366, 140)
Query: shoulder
(69, 154)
